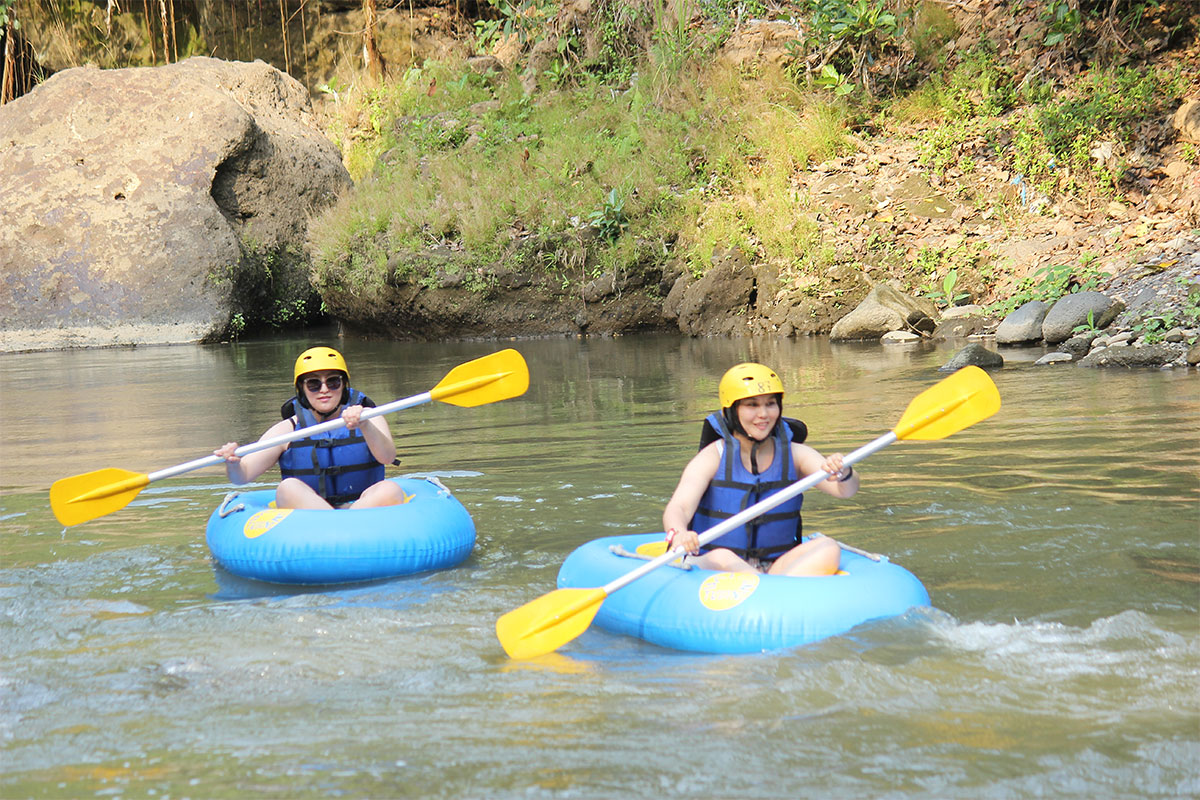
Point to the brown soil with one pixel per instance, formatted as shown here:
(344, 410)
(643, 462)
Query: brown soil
(882, 208)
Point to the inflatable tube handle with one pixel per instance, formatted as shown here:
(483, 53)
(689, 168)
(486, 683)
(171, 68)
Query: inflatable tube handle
(851, 549)
(618, 550)
(442, 488)
(224, 511)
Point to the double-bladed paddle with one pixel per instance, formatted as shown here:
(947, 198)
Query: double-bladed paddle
(494, 377)
(545, 624)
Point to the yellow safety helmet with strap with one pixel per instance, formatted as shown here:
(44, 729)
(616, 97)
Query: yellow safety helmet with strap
(312, 360)
(748, 380)
(318, 358)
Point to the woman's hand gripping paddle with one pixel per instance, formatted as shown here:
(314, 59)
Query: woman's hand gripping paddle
(498, 376)
(552, 620)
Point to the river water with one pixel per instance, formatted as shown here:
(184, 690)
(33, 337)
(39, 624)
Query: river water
(1059, 540)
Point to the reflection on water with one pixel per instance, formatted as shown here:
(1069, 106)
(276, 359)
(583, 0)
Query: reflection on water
(1059, 542)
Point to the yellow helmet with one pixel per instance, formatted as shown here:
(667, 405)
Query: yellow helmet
(316, 358)
(748, 380)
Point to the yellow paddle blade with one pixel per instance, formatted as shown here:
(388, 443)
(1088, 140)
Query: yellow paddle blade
(652, 549)
(966, 397)
(94, 494)
(547, 623)
(485, 380)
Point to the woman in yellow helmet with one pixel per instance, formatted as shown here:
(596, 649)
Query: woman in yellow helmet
(337, 468)
(756, 453)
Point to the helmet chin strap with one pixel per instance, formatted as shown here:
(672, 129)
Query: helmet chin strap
(303, 401)
(326, 417)
(757, 444)
(754, 456)
(736, 426)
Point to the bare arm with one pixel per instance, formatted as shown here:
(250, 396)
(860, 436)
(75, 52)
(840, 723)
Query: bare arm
(697, 475)
(376, 433)
(809, 461)
(241, 470)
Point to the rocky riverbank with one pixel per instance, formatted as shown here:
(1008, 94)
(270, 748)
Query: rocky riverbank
(186, 217)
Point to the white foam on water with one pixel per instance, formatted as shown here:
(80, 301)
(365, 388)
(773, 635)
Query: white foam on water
(1117, 664)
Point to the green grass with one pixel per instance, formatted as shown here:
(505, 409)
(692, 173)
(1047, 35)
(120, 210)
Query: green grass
(1056, 142)
(685, 160)
(710, 164)
(1054, 137)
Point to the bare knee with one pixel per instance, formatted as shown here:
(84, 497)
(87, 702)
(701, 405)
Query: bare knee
(826, 554)
(295, 493)
(815, 557)
(723, 560)
(384, 493)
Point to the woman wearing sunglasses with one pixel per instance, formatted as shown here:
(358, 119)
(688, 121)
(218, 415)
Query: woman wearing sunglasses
(337, 468)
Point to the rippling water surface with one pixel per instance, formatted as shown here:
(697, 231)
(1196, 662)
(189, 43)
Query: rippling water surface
(1060, 542)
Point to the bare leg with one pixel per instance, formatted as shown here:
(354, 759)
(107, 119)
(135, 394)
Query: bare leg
(815, 557)
(384, 493)
(721, 560)
(295, 493)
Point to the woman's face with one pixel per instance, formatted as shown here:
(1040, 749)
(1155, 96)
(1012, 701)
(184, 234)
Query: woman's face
(325, 398)
(758, 415)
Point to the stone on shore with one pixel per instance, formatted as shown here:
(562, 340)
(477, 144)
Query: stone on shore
(884, 309)
(1024, 325)
(973, 355)
(1082, 309)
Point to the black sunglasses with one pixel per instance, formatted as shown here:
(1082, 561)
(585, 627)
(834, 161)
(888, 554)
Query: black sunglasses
(334, 382)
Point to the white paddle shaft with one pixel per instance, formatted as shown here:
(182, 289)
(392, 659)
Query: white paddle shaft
(301, 433)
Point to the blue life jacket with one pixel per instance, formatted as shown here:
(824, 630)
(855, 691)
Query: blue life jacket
(337, 464)
(734, 488)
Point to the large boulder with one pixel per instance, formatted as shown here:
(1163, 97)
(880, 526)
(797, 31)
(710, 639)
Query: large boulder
(151, 205)
(1154, 355)
(884, 309)
(961, 322)
(1082, 309)
(1023, 325)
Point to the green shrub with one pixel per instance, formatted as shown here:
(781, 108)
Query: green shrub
(941, 271)
(1075, 144)
(610, 220)
(1050, 283)
(851, 33)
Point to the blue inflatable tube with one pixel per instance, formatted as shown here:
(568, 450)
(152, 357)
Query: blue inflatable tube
(251, 538)
(725, 612)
